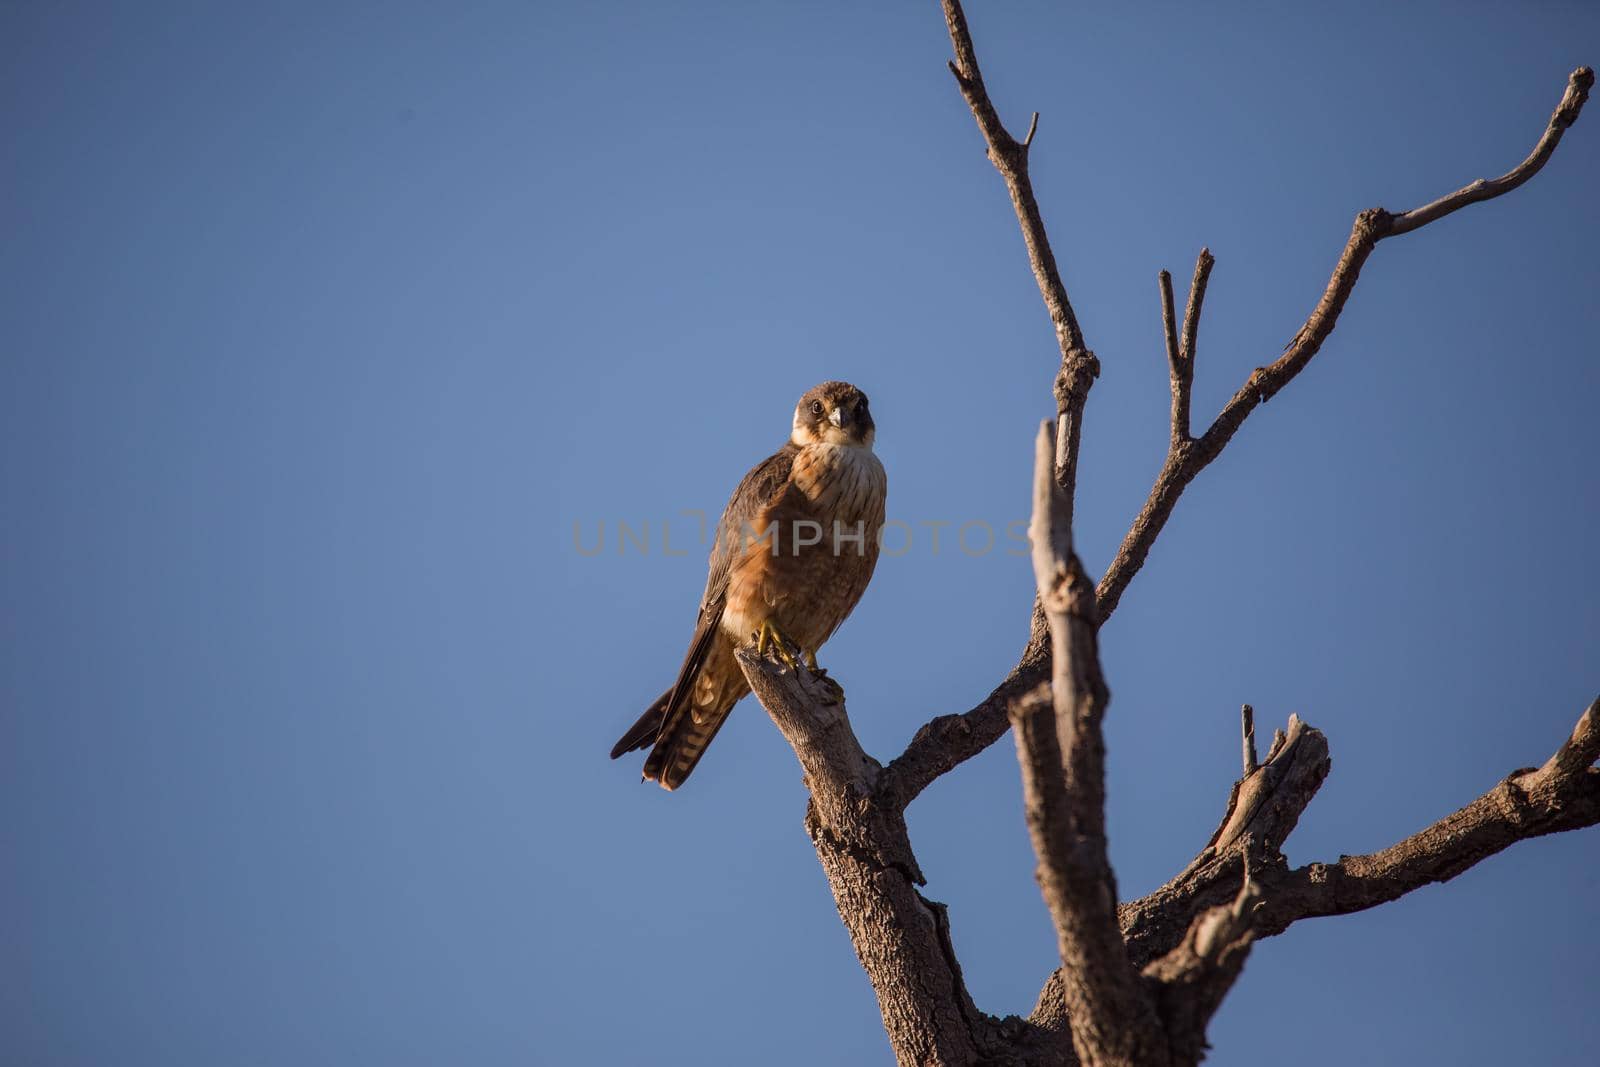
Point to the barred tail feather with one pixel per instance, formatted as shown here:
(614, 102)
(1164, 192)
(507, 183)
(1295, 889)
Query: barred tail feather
(680, 747)
(670, 724)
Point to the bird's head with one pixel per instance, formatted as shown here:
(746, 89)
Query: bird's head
(833, 413)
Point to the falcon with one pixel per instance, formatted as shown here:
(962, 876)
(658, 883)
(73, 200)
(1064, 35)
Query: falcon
(794, 551)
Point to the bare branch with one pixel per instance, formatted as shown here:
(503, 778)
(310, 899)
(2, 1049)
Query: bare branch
(948, 741)
(1062, 753)
(1079, 367)
(1263, 809)
(1191, 313)
(1189, 982)
(856, 823)
(1010, 158)
(901, 938)
(1562, 795)
(1579, 751)
(1191, 330)
(1369, 228)
(1180, 354)
(1180, 389)
(1565, 114)
(1247, 715)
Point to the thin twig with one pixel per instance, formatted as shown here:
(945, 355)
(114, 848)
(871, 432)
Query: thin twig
(1191, 331)
(1197, 295)
(1565, 114)
(1169, 333)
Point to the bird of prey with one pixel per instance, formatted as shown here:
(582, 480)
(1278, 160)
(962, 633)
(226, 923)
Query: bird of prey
(794, 551)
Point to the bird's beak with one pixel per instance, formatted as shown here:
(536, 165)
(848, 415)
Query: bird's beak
(836, 416)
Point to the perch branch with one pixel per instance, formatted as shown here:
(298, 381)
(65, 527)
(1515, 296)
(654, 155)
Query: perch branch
(900, 937)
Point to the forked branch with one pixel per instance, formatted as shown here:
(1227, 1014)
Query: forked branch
(1369, 228)
(946, 742)
(1180, 351)
(1263, 808)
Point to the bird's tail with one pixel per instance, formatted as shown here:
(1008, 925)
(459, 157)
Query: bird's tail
(643, 733)
(679, 730)
(679, 747)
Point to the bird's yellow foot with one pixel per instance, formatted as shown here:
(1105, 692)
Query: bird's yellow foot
(811, 662)
(769, 635)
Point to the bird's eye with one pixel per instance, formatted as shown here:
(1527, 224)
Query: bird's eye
(816, 407)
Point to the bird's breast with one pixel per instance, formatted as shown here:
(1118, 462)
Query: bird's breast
(845, 482)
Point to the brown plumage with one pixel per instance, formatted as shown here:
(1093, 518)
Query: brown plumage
(794, 551)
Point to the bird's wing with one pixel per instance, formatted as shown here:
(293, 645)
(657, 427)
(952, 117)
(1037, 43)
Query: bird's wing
(765, 482)
(763, 485)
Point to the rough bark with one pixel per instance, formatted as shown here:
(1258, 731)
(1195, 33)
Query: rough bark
(900, 936)
(866, 854)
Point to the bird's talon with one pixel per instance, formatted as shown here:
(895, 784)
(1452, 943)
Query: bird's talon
(769, 635)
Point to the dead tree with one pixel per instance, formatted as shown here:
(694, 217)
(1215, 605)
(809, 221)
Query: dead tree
(1139, 980)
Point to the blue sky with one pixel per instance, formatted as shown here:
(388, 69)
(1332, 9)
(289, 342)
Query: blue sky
(324, 324)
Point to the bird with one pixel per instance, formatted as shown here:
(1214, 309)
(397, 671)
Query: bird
(794, 551)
